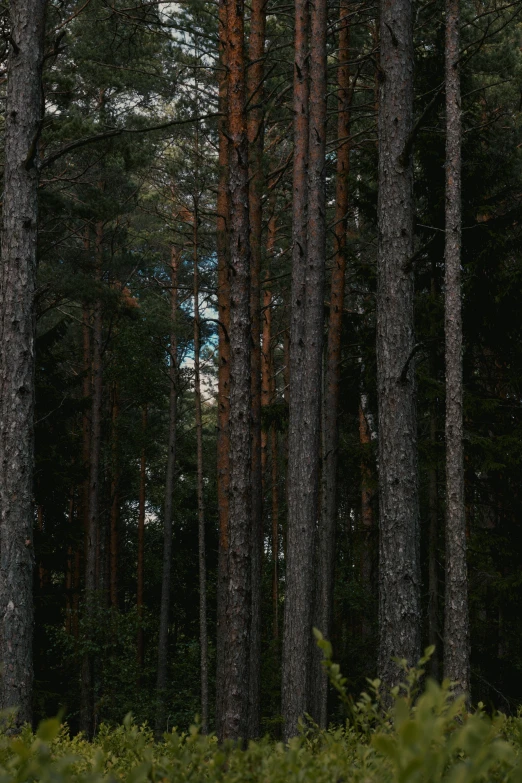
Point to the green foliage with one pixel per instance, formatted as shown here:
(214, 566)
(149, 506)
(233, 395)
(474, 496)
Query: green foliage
(425, 737)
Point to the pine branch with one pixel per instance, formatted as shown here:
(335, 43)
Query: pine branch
(114, 132)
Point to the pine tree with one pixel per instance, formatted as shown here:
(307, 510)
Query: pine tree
(399, 563)
(23, 125)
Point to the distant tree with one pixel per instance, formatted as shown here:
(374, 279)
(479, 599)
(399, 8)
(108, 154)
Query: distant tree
(456, 631)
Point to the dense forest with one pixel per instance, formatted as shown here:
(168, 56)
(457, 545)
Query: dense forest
(260, 356)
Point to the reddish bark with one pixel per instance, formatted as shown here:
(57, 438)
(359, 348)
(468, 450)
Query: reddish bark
(233, 721)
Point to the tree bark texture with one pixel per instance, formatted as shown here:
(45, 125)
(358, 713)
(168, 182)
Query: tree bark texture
(456, 631)
(300, 531)
(233, 722)
(161, 682)
(305, 395)
(23, 117)
(399, 569)
(326, 534)
(203, 640)
(433, 558)
(223, 295)
(255, 132)
(268, 394)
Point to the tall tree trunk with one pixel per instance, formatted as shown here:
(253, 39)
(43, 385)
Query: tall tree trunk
(255, 131)
(69, 573)
(367, 557)
(399, 567)
(223, 296)
(268, 388)
(433, 554)
(203, 636)
(92, 583)
(326, 538)
(267, 369)
(275, 531)
(115, 501)
(299, 533)
(305, 393)
(233, 721)
(86, 421)
(43, 575)
(456, 632)
(23, 116)
(141, 541)
(161, 682)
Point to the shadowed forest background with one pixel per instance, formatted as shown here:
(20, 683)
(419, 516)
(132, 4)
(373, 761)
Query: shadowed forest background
(132, 310)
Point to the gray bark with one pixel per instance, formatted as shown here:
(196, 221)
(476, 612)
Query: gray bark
(433, 558)
(330, 442)
(300, 532)
(456, 632)
(23, 116)
(223, 297)
(399, 572)
(256, 51)
(161, 681)
(308, 272)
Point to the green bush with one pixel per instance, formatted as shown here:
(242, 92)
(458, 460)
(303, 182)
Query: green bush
(427, 736)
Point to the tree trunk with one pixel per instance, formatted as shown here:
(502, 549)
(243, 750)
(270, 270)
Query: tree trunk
(86, 421)
(141, 541)
(233, 721)
(367, 557)
(256, 141)
(266, 368)
(326, 538)
(69, 573)
(299, 533)
(23, 115)
(268, 389)
(115, 501)
(456, 631)
(223, 295)
(203, 640)
(306, 349)
(161, 682)
(399, 567)
(92, 581)
(433, 555)
(275, 532)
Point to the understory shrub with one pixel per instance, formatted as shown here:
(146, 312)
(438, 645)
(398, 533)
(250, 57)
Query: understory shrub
(426, 736)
